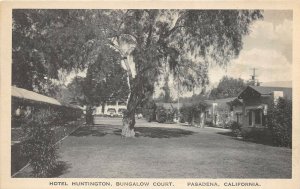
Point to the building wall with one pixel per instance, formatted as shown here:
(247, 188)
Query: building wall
(237, 114)
(256, 108)
(118, 106)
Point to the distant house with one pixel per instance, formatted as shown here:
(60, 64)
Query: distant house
(111, 108)
(256, 100)
(236, 106)
(221, 111)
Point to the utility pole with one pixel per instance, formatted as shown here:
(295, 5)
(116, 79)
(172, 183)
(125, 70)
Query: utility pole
(178, 95)
(253, 76)
(178, 109)
(254, 79)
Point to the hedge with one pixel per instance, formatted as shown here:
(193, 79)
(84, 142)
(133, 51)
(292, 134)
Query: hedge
(164, 115)
(39, 145)
(149, 111)
(188, 112)
(279, 122)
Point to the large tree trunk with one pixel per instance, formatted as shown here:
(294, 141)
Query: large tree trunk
(193, 119)
(129, 117)
(202, 120)
(103, 107)
(89, 115)
(128, 125)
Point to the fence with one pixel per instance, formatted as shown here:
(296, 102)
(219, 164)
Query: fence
(25, 103)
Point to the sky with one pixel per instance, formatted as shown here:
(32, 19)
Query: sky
(268, 48)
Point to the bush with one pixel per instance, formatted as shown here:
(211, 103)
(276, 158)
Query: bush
(181, 119)
(257, 134)
(148, 111)
(209, 123)
(186, 114)
(39, 145)
(190, 111)
(235, 128)
(280, 122)
(161, 113)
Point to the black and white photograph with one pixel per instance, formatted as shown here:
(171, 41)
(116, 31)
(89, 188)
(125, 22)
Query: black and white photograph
(151, 93)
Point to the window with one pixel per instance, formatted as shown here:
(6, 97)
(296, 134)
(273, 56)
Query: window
(111, 110)
(238, 117)
(111, 103)
(257, 116)
(121, 103)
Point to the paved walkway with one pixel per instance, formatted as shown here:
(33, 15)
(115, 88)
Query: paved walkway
(167, 151)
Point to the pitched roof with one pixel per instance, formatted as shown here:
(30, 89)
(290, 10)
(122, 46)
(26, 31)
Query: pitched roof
(269, 90)
(33, 96)
(236, 102)
(30, 95)
(221, 100)
(264, 90)
(169, 105)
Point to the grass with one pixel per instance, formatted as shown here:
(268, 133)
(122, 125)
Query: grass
(167, 151)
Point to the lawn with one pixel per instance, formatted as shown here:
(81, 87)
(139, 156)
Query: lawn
(166, 151)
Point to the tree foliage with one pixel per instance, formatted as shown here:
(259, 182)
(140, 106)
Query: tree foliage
(105, 80)
(44, 42)
(39, 146)
(280, 122)
(192, 110)
(228, 87)
(186, 41)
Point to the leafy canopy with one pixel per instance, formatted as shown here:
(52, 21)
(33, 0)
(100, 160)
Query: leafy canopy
(105, 80)
(187, 41)
(228, 87)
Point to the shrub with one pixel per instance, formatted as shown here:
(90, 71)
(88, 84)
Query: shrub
(235, 128)
(148, 111)
(209, 123)
(193, 110)
(258, 135)
(161, 113)
(181, 119)
(39, 145)
(280, 122)
(186, 114)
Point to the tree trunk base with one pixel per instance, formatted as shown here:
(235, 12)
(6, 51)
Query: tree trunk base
(127, 131)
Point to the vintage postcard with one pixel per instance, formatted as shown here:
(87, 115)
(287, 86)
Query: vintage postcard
(164, 94)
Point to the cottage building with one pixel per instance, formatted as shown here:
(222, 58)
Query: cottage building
(236, 107)
(222, 111)
(256, 101)
(111, 108)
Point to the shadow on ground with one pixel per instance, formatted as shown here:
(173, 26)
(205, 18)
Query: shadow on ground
(61, 168)
(226, 133)
(90, 131)
(158, 132)
(252, 139)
